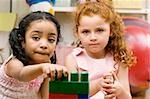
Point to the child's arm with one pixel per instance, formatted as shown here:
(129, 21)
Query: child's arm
(123, 79)
(44, 89)
(15, 69)
(70, 63)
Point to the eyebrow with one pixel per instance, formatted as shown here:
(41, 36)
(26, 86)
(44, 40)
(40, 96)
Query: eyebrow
(37, 31)
(52, 34)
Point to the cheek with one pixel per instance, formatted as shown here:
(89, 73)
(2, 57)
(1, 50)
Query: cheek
(106, 37)
(52, 48)
(84, 42)
(28, 51)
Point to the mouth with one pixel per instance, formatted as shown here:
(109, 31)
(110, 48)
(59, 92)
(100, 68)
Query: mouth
(42, 53)
(94, 44)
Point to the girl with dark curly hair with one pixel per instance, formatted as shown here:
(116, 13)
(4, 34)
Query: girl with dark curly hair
(26, 73)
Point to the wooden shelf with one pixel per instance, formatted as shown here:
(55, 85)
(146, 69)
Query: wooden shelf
(145, 12)
(132, 11)
(64, 9)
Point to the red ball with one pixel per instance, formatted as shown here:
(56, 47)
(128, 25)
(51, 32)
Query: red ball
(137, 34)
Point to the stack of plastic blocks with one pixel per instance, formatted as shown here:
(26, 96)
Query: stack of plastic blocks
(76, 86)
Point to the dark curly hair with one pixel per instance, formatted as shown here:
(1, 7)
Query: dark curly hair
(17, 35)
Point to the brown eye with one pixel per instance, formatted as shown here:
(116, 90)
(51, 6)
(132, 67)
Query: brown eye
(100, 30)
(36, 38)
(85, 32)
(51, 40)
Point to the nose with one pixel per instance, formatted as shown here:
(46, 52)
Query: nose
(93, 36)
(44, 44)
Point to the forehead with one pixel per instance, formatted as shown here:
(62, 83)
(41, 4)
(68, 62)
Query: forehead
(42, 22)
(42, 26)
(92, 20)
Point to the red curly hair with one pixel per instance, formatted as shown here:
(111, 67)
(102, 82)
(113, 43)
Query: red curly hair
(116, 45)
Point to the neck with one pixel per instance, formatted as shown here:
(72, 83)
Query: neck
(97, 55)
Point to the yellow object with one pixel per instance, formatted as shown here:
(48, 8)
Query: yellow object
(51, 10)
(129, 4)
(7, 21)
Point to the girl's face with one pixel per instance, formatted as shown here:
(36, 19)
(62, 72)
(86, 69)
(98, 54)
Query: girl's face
(94, 33)
(40, 41)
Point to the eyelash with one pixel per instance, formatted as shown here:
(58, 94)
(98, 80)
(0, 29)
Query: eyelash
(100, 30)
(36, 38)
(51, 40)
(85, 31)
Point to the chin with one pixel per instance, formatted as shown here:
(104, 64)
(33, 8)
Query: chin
(95, 51)
(42, 61)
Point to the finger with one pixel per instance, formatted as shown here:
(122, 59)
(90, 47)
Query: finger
(47, 70)
(110, 91)
(52, 73)
(109, 96)
(114, 75)
(109, 80)
(45, 75)
(65, 72)
(107, 84)
(56, 75)
(59, 73)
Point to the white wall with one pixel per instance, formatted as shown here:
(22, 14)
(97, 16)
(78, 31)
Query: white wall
(4, 5)
(66, 21)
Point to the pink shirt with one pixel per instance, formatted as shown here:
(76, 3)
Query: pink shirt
(11, 88)
(95, 67)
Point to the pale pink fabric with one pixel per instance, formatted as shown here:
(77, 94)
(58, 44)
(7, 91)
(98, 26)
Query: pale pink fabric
(11, 88)
(61, 52)
(95, 67)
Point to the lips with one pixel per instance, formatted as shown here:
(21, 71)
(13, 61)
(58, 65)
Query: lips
(42, 53)
(94, 44)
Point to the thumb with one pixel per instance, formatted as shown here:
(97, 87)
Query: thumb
(45, 75)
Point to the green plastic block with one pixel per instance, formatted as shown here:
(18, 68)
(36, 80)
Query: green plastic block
(64, 79)
(71, 87)
(74, 76)
(84, 76)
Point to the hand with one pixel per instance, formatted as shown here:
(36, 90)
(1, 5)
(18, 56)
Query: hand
(108, 85)
(54, 71)
(115, 89)
(105, 82)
